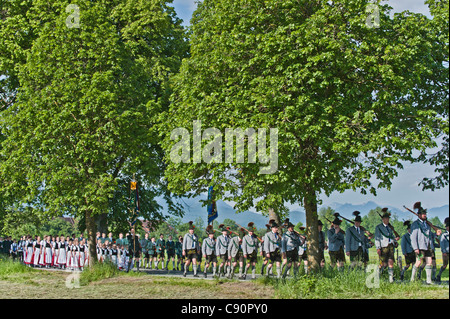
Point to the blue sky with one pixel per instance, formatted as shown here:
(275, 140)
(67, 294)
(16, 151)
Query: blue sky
(185, 8)
(405, 189)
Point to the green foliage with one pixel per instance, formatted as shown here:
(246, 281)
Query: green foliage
(86, 103)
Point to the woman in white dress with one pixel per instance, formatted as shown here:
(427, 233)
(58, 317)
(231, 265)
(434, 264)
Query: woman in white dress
(36, 251)
(47, 253)
(82, 254)
(29, 251)
(55, 251)
(75, 255)
(62, 253)
(69, 253)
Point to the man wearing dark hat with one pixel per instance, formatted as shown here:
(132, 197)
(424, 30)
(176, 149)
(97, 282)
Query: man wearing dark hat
(407, 250)
(222, 244)
(336, 241)
(209, 250)
(190, 248)
(250, 250)
(444, 249)
(272, 247)
(384, 242)
(354, 242)
(422, 242)
(289, 248)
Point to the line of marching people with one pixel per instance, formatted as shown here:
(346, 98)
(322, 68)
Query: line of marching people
(53, 252)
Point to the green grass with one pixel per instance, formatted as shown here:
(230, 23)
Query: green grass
(327, 284)
(332, 284)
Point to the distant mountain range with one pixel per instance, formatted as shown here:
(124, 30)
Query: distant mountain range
(194, 210)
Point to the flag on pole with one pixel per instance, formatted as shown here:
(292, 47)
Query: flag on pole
(212, 208)
(134, 201)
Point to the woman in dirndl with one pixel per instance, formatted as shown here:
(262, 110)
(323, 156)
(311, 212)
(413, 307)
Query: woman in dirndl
(62, 253)
(29, 251)
(47, 252)
(114, 255)
(75, 255)
(36, 251)
(55, 251)
(69, 253)
(82, 254)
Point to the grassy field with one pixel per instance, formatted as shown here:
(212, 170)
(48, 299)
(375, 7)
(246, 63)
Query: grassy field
(18, 281)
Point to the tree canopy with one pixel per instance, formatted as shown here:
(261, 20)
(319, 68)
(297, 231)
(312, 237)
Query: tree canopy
(351, 102)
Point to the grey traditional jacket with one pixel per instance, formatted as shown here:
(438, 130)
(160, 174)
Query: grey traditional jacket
(208, 246)
(190, 242)
(421, 236)
(335, 241)
(383, 236)
(234, 247)
(222, 244)
(290, 241)
(249, 244)
(354, 239)
(406, 244)
(272, 242)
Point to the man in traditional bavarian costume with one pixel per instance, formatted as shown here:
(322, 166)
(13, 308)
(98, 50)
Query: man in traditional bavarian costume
(179, 253)
(444, 249)
(354, 242)
(144, 244)
(272, 247)
(209, 250)
(385, 242)
(235, 254)
(222, 243)
(250, 250)
(422, 242)
(160, 250)
(134, 247)
(303, 250)
(151, 249)
(336, 242)
(170, 247)
(289, 248)
(190, 248)
(407, 250)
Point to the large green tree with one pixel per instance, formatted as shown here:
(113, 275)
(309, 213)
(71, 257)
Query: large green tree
(89, 83)
(352, 100)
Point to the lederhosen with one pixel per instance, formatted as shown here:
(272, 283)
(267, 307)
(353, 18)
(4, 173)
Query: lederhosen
(239, 257)
(292, 255)
(211, 258)
(253, 256)
(356, 255)
(426, 252)
(410, 258)
(223, 256)
(170, 249)
(275, 255)
(192, 252)
(387, 252)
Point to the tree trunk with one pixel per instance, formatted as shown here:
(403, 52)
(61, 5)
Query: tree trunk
(91, 237)
(312, 231)
(273, 215)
